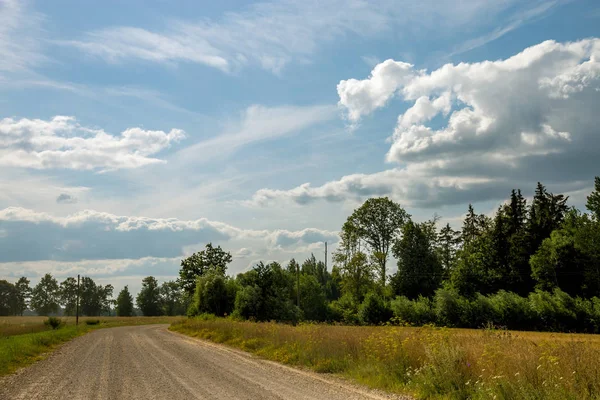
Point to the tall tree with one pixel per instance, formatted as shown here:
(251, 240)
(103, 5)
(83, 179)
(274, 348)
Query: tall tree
(448, 241)
(148, 299)
(593, 200)
(23, 294)
(211, 259)
(125, 303)
(419, 269)
(45, 297)
(172, 298)
(95, 299)
(68, 295)
(8, 298)
(357, 275)
(378, 222)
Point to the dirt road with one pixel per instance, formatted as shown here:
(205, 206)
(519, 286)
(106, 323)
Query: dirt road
(149, 362)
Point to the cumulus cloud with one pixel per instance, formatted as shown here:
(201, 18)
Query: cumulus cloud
(505, 124)
(61, 142)
(272, 34)
(88, 235)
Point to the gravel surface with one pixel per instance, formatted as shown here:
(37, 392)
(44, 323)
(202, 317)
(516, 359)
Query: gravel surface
(150, 362)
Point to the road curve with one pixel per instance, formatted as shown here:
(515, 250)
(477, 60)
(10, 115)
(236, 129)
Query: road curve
(150, 362)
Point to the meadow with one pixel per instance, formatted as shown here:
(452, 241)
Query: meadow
(24, 340)
(425, 362)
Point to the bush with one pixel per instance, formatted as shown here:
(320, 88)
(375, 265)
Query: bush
(373, 310)
(92, 321)
(513, 311)
(53, 322)
(345, 310)
(479, 312)
(449, 307)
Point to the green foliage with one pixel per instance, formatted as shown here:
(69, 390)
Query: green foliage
(378, 223)
(172, 298)
(211, 259)
(148, 299)
(45, 297)
(23, 292)
(215, 294)
(68, 295)
(125, 303)
(419, 269)
(8, 298)
(313, 301)
(92, 322)
(373, 310)
(53, 322)
(94, 299)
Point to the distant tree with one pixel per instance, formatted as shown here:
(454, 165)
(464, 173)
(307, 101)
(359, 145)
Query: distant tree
(23, 294)
(546, 214)
(94, 299)
(215, 294)
(172, 298)
(419, 269)
(211, 259)
(378, 222)
(313, 301)
(125, 303)
(68, 295)
(45, 297)
(357, 275)
(448, 241)
(148, 299)
(8, 298)
(593, 200)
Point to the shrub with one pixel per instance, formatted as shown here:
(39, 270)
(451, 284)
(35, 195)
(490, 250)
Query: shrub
(449, 307)
(373, 310)
(479, 312)
(53, 322)
(92, 321)
(513, 311)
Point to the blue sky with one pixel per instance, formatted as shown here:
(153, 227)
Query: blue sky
(132, 133)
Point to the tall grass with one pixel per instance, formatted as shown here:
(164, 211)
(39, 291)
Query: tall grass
(426, 362)
(25, 339)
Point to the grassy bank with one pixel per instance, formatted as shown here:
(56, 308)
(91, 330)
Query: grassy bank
(24, 340)
(425, 362)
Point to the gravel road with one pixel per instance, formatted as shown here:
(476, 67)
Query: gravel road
(150, 362)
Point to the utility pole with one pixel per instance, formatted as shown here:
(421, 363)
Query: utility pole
(325, 256)
(298, 284)
(77, 306)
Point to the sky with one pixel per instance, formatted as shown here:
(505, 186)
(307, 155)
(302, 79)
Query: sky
(133, 133)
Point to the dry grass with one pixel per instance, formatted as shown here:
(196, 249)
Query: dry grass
(426, 362)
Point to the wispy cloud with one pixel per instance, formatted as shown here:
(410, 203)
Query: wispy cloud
(20, 30)
(273, 34)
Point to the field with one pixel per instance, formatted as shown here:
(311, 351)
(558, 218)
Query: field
(425, 362)
(26, 339)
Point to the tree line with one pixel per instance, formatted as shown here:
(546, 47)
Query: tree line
(532, 265)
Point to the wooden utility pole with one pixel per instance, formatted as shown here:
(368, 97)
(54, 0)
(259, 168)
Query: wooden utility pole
(77, 306)
(298, 284)
(325, 256)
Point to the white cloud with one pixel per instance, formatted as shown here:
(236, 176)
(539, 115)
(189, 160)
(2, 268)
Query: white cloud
(259, 123)
(92, 234)
(505, 124)
(61, 142)
(272, 34)
(19, 29)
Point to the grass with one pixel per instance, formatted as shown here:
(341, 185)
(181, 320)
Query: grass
(24, 340)
(426, 362)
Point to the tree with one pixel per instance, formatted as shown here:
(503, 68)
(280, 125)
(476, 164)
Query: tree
(211, 259)
(448, 241)
(45, 297)
(357, 275)
(313, 301)
(172, 298)
(68, 295)
(23, 294)
(94, 299)
(546, 214)
(8, 298)
(419, 269)
(378, 222)
(125, 303)
(148, 299)
(215, 294)
(593, 200)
